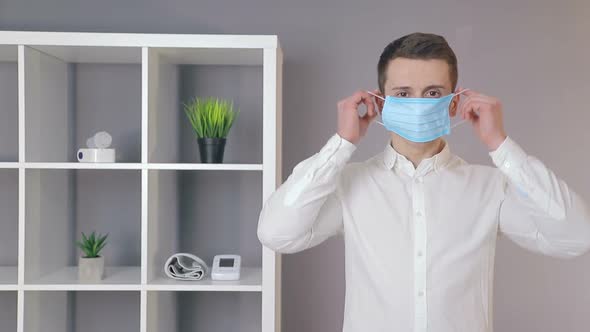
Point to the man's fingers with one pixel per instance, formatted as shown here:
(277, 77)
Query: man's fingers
(363, 97)
(472, 102)
(469, 107)
(478, 97)
(370, 106)
(467, 110)
(370, 115)
(467, 96)
(366, 119)
(468, 92)
(360, 96)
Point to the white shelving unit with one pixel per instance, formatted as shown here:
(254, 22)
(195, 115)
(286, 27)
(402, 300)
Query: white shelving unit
(57, 89)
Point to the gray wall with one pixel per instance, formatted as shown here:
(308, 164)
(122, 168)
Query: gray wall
(533, 55)
(9, 217)
(9, 109)
(119, 113)
(8, 303)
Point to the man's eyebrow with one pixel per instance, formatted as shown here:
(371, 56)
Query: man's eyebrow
(434, 86)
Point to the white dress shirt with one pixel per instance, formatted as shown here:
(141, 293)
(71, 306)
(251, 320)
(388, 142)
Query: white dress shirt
(420, 242)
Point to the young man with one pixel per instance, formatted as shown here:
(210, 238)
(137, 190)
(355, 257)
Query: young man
(419, 223)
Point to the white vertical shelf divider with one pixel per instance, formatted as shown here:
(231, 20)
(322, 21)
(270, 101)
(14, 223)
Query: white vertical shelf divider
(46, 289)
(144, 185)
(272, 142)
(21, 189)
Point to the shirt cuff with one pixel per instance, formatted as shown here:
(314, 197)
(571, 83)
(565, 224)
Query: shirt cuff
(509, 156)
(337, 150)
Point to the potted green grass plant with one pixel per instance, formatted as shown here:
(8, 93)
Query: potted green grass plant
(211, 119)
(91, 263)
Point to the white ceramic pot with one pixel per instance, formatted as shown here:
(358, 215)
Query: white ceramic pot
(91, 269)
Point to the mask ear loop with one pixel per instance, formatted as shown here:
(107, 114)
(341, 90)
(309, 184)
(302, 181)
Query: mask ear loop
(464, 120)
(378, 96)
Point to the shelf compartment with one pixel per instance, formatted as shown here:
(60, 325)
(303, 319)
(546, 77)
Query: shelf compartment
(8, 227)
(204, 213)
(73, 92)
(204, 311)
(62, 203)
(61, 311)
(8, 311)
(9, 104)
(176, 76)
(8, 278)
(210, 56)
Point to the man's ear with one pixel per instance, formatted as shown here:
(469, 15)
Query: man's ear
(379, 101)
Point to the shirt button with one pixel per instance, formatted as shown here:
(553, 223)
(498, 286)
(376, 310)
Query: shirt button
(421, 293)
(507, 164)
(419, 253)
(419, 180)
(418, 214)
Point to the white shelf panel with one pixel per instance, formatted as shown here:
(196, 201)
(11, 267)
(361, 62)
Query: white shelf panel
(251, 281)
(123, 278)
(138, 39)
(8, 278)
(95, 54)
(9, 165)
(35, 165)
(204, 167)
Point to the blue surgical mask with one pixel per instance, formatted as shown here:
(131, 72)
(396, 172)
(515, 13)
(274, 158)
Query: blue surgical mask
(418, 119)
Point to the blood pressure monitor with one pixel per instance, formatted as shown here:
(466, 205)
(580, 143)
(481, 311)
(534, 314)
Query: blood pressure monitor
(226, 267)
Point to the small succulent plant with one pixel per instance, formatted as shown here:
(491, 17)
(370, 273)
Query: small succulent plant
(92, 245)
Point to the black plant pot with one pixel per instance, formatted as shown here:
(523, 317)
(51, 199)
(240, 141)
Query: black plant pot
(211, 149)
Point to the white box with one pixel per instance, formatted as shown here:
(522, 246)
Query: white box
(96, 155)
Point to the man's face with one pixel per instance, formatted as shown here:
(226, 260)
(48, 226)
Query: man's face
(413, 78)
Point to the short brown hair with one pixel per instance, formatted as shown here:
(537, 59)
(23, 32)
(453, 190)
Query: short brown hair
(422, 46)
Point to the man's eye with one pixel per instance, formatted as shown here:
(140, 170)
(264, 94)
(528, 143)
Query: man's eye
(402, 94)
(432, 93)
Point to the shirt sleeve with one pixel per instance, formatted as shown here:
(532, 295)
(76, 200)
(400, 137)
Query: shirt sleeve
(539, 211)
(306, 209)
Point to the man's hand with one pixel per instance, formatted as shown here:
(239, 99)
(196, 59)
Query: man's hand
(485, 114)
(351, 126)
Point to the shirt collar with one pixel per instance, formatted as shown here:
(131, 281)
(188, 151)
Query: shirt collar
(398, 162)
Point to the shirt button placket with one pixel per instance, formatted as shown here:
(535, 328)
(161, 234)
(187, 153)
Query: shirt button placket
(420, 238)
